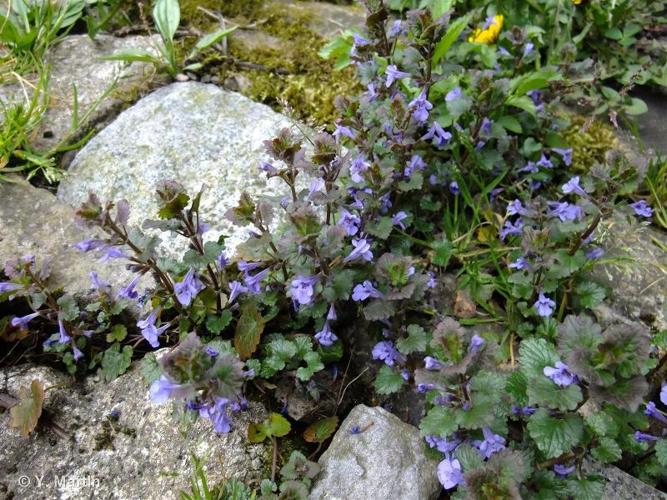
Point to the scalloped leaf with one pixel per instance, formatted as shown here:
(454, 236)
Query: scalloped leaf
(320, 431)
(25, 414)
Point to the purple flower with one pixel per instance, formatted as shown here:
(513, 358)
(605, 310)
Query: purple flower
(253, 282)
(454, 188)
(443, 445)
(525, 411)
(432, 363)
(520, 263)
(476, 343)
(331, 315)
(371, 92)
(544, 305)
(247, 266)
(432, 283)
(450, 474)
(642, 208)
(385, 351)
(663, 394)
(350, 222)
(398, 218)
(528, 48)
(439, 136)
(530, 168)
(420, 107)
(486, 128)
(642, 437)
(454, 94)
(7, 286)
(112, 252)
(148, 329)
(364, 290)
(267, 167)
(355, 429)
(424, 388)
(211, 352)
(22, 321)
(302, 289)
(325, 336)
(572, 186)
(89, 244)
(511, 229)
(565, 211)
(359, 40)
(64, 337)
(652, 411)
(545, 162)
(560, 374)
(221, 260)
(317, 186)
(393, 74)
(563, 470)
(342, 130)
(362, 249)
(358, 167)
(188, 289)
(491, 444)
(76, 353)
(396, 28)
(217, 414)
(129, 292)
(164, 389)
(515, 207)
(416, 163)
(236, 288)
(565, 154)
(595, 253)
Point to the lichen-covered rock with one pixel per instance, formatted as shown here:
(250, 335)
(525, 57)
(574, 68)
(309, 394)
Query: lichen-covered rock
(146, 452)
(636, 278)
(191, 132)
(34, 222)
(620, 485)
(326, 19)
(385, 461)
(76, 61)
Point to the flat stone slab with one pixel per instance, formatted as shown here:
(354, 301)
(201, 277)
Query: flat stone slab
(385, 461)
(651, 125)
(145, 454)
(76, 61)
(34, 222)
(191, 132)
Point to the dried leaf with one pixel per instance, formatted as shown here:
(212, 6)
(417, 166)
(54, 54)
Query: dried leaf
(320, 431)
(25, 414)
(249, 330)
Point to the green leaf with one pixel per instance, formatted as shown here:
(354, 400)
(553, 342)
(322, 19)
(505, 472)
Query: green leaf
(535, 80)
(25, 414)
(167, 16)
(320, 431)
(585, 489)
(607, 451)
(555, 435)
(469, 458)
(635, 107)
(388, 380)
(117, 333)
(70, 311)
(378, 310)
(116, 362)
(338, 49)
(150, 368)
(543, 392)
(590, 294)
(249, 330)
(525, 103)
(314, 364)
(442, 252)
(415, 342)
(439, 421)
(381, 229)
(278, 426)
(216, 324)
(661, 452)
(213, 38)
(453, 32)
(510, 123)
(534, 355)
(601, 424)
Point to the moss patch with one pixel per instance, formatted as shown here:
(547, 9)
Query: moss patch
(590, 142)
(287, 71)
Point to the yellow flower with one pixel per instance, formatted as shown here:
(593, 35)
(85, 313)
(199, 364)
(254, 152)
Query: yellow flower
(490, 33)
(577, 2)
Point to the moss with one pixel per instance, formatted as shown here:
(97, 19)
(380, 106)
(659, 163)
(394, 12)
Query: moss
(288, 71)
(590, 142)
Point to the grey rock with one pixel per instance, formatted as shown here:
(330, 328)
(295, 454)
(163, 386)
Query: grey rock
(637, 284)
(147, 453)
(385, 462)
(620, 485)
(651, 125)
(76, 61)
(34, 222)
(326, 19)
(195, 133)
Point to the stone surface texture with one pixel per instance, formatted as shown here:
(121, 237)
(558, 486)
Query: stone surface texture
(76, 60)
(191, 132)
(326, 19)
(637, 284)
(34, 222)
(386, 461)
(620, 485)
(146, 454)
